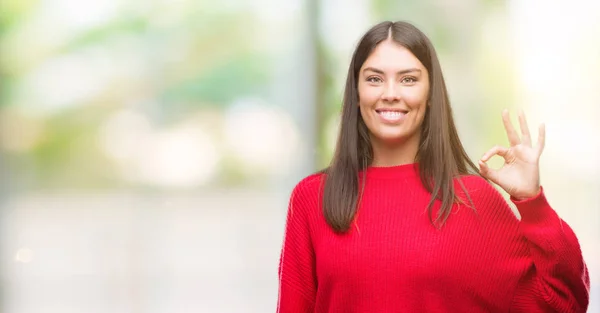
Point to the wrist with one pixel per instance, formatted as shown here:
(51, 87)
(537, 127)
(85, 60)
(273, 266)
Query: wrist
(528, 195)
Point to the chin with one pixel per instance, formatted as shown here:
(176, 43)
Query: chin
(391, 138)
(396, 133)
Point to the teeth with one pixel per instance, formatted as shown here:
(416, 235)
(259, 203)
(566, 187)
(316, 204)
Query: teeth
(391, 114)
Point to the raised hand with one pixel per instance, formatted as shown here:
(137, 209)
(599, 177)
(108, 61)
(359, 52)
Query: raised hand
(519, 175)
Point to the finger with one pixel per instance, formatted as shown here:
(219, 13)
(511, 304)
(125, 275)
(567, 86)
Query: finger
(526, 138)
(541, 139)
(488, 172)
(497, 150)
(513, 137)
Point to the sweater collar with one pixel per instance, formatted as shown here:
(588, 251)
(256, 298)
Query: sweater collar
(396, 171)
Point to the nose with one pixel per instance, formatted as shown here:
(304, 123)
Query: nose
(390, 93)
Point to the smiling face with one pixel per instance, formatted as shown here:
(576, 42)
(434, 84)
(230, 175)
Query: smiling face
(393, 89)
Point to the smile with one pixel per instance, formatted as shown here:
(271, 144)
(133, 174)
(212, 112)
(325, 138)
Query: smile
(391, 116)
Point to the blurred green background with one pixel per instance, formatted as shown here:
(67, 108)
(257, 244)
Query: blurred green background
(147, 148)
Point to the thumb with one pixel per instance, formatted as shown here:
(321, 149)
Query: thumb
(488, 172)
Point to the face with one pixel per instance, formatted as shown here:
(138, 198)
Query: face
(393, 87)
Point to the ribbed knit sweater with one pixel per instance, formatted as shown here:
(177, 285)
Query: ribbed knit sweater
(394, 260)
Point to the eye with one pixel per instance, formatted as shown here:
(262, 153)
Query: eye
(408, 80)
(373, 79)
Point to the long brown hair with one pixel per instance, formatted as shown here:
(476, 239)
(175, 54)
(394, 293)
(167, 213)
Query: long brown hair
(441, 155)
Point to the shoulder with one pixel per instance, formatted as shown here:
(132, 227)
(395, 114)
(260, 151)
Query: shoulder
(480, 191)
(309, 184)
(308, 190)
(475, 184)
(486, 199)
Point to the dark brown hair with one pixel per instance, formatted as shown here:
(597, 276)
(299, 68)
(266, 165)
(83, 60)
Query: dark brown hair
(441, 155)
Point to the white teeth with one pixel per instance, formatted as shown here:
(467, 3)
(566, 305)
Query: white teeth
(391, 114)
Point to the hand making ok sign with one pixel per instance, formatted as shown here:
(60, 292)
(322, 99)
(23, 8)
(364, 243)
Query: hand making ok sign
(519, 175)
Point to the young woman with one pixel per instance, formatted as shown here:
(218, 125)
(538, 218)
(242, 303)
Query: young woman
(403, 221)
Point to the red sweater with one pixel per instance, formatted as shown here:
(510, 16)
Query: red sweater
(394, 260)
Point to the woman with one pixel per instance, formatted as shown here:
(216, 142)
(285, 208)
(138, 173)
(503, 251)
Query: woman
(403, 221)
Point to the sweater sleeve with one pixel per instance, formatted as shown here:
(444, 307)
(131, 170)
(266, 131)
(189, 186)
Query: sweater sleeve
(559, 280)
(297, 281)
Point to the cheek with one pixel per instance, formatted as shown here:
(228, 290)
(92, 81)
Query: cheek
(365, 113)
(368, 96)
(415, 98)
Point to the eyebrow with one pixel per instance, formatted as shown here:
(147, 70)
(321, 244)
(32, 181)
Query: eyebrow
(378, 71)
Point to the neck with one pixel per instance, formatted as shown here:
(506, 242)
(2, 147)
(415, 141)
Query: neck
(394, 153)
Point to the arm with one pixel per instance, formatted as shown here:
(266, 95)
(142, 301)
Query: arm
(297, 282)
(560, 281)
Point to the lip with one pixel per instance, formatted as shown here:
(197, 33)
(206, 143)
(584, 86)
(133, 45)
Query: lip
(379, 110)
(391, 116)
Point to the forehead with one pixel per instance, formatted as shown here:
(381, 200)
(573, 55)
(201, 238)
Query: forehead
(390, 55)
